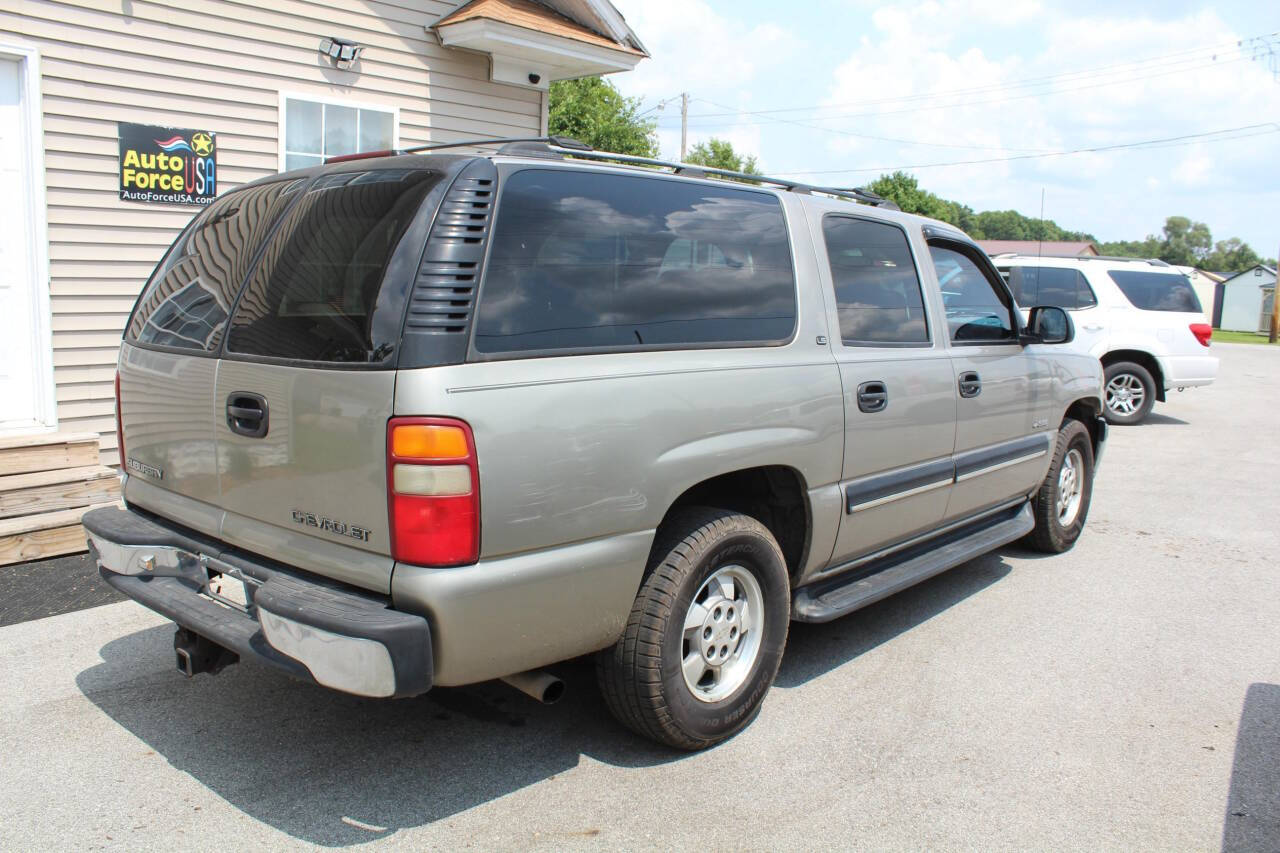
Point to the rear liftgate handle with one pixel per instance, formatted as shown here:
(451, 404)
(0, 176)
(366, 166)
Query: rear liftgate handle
(873, 397)
(247, 414)
(970, 384)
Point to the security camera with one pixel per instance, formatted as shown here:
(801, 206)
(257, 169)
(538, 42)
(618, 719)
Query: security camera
(535, 79)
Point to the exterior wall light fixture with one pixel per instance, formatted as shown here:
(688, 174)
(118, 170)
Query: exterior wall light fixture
(343, 52)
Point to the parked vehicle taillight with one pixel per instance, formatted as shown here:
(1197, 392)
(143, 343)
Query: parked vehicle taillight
(1202, 331)
(433, 492)
(119, 424)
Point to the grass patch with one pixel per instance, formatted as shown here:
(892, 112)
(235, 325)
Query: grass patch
(1223, 337)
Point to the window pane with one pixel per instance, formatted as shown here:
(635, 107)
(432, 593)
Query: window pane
(878, 295)
(376, 131)
(585, 260)
(185, 304)
(1024, 282)
(314, 297)
(1157, 291)
(302, 124)
(976, 310)
(339, 130)
(301, 161)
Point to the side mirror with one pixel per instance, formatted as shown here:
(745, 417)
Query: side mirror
(1049, 324)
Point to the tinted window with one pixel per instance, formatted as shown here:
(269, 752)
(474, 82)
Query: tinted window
(1157, 291)
(583, 260)
(187, 300)
(314, 296)
(976, 309)
(1064, 288)
(878, 295)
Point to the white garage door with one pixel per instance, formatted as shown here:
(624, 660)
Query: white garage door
(19, 383)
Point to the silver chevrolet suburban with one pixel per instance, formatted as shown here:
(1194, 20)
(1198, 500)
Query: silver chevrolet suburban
(437, 418)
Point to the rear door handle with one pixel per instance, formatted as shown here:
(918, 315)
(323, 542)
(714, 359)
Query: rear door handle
(247, 414)
(873, 396)
(1094, 328)
(970, 384)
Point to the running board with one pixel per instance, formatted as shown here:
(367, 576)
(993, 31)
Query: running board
(830, 599)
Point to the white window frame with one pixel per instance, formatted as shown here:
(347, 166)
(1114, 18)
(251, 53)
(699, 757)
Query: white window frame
(333, 102)
(28, 59)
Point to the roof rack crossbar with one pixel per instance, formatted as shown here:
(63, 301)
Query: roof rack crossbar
(569, 147)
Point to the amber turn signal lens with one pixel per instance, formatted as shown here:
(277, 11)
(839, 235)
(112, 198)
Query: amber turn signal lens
(429, 441)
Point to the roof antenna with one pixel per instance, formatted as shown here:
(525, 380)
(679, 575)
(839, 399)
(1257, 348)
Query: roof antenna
(1040, 246)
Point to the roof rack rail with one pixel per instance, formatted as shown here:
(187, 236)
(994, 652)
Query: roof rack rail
(565, 146)
(1155, 262)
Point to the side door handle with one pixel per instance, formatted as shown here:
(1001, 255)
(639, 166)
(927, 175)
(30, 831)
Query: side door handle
(873, 396)
(247, 414)
(970, 384)
(1093, 328)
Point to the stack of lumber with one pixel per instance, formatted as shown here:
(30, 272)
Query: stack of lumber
(46, 483)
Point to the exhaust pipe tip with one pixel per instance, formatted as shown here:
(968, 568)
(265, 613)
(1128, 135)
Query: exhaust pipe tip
(538, 685)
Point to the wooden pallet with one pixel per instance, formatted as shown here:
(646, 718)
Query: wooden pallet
(47, 482)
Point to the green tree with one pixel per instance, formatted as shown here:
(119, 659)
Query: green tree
(592, 110)
(1233, 255)
(1185, 242)
(719, 154)
(904, 190)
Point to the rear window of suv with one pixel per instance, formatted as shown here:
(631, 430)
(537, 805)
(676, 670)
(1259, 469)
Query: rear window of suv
(1156, 291)
(595, 261)
(1057, 286)
(186, 302)
(315, 294)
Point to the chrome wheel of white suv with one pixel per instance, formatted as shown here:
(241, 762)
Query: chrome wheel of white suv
(1130, 393)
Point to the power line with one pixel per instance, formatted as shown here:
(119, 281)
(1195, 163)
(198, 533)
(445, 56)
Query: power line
(1252, 45)
(901, 141)
(1166, 142)
(1000, 100)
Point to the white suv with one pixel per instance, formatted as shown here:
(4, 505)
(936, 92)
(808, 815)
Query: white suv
(1141, 318)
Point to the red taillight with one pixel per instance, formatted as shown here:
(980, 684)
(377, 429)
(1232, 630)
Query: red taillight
(119, 423)
(433, 500)
(1202, 331)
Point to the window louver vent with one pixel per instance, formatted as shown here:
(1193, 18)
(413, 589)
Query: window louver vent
(444, 290)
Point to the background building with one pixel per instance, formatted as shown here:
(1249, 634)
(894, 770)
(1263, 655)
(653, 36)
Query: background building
(246, 89)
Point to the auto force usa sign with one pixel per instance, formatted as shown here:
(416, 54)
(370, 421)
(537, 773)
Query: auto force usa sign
(167, 165)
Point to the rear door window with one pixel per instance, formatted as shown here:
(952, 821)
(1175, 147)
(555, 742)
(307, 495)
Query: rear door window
(1157, 291)
(1057, 286)
(594, 261)
(314, 296)
(877, 288)
(186, 302)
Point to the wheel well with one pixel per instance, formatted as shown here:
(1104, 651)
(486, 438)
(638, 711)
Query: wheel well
(1138, 357)
(1086, 411)
(774, 495)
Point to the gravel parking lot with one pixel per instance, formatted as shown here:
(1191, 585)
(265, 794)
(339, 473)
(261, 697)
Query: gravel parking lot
(1125, 695)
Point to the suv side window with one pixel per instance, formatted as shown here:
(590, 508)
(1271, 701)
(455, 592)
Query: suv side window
(978, 310)
(189, 296)
(1157, 291)
(1058, 286)
(594, 261)
(878, 295)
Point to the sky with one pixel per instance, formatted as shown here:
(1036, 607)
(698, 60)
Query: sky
(837, 92)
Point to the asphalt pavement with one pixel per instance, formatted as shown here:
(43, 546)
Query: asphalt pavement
(1124, 696)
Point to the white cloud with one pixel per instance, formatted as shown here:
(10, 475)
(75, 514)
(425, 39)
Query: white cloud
(871, 64)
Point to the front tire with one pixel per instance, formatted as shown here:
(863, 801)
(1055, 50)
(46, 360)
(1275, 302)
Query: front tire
(1130, 393)
(706, 633)
(1062, 504)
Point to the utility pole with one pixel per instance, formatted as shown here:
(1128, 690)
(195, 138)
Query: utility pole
(684, 124)
(1275, 303)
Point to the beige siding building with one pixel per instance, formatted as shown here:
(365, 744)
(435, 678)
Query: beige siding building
(252, 74)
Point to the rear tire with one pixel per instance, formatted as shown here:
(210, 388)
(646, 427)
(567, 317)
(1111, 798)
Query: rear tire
(1062, 504)
(706, 633)
(1130, 393)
